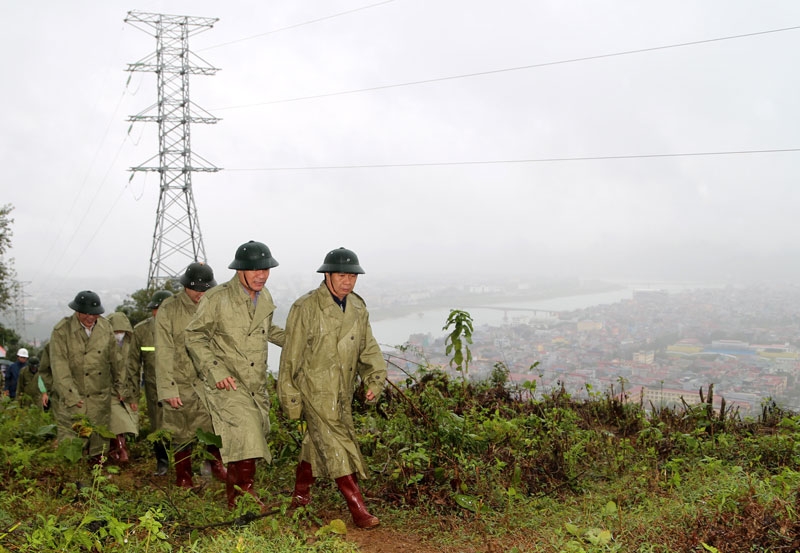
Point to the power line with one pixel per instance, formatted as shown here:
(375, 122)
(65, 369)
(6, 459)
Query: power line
(530, 160)
(88, 207)
(79, 257)
(296, 25)
(509, 69)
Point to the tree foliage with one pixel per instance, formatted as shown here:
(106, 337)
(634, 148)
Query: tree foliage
(6, 265)
(135, 305)
(10, 340)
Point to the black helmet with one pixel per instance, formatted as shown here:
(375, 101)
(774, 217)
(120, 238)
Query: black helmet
(253, 256)
(198, 277)
(341, 260)
(157, 298)
(33, 362)
(87, 302)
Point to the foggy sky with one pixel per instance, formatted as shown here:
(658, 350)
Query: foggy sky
(429, 209)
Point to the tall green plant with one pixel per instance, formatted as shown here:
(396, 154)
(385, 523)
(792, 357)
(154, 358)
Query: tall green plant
(457, 341)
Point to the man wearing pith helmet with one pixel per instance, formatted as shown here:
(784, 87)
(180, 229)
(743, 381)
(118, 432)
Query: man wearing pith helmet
(180, 389)
(227, 340)
(82, 350)
(329, 344)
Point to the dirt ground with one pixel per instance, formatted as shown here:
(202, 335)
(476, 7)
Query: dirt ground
(387, 540)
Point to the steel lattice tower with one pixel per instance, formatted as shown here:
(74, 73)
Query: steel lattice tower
(177, 240)
(20, 322)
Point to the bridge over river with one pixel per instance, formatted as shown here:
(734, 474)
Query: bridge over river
(536, 313)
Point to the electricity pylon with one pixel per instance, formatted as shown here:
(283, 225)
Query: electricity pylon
(20, 321)
(177, 240)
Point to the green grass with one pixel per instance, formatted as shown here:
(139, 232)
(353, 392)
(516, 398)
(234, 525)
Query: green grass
(455, 468)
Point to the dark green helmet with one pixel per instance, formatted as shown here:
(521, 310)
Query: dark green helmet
(253, 256)
(33, 362)
(198, 277)
(341, 260)
(87, 302)
(157, 298)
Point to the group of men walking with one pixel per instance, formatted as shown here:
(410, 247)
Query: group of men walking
(202, 356)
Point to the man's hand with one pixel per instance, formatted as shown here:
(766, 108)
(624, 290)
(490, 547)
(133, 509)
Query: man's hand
(134, 406)
(45, 399)
(174, 402)
(228, 383)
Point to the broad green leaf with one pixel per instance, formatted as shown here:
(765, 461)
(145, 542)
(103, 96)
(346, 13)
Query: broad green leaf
(208, 438)
(469, 502)
(47, 430)
(572, 529)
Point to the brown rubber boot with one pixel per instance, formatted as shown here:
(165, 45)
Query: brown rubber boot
(183, 468)
(244, 478)
(113, 450)
(230, 484)
(122, 450)
(355, 502)
(304, 478)
(217, 466)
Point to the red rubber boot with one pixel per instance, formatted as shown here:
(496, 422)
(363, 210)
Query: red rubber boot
(183, 468)
(304, 479)
(355, 502)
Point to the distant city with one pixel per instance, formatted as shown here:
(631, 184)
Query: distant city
(660, 347)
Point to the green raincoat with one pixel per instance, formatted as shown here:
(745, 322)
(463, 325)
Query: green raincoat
(143, 357)
(325, 350)
(28, 387)
(124, 420)
(60, 415)
(82, 367)
(228, 337)
(175, 373)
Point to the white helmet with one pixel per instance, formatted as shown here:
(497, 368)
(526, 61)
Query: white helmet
(22, 352)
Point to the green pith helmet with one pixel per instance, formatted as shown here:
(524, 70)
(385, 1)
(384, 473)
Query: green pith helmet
(87, 302)
(341, 260)
(198, 277)
(119, 322)
(157, 298)
(253, 256)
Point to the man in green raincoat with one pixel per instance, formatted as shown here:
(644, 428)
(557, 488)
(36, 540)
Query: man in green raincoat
(227, 340)
(125, 403)
(329, 344)
(180, 388)
(28, 384)
(143, 357)
(82, 364)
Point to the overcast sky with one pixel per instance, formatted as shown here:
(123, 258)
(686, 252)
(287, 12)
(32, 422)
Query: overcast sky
(451, 84)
